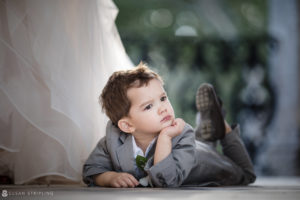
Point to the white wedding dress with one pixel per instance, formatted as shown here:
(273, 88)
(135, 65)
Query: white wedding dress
(55, 57)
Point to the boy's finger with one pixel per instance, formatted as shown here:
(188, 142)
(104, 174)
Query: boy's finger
(133, 179)
(116, 185)
(122, 183)
(131, 182)
(128, 182)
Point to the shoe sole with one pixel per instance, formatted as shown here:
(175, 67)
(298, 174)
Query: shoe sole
(212, 125)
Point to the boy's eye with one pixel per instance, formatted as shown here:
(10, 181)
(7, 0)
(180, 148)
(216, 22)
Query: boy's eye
(148, 107)
(163, 98)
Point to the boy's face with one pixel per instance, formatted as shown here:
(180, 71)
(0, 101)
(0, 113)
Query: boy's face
(150, 110)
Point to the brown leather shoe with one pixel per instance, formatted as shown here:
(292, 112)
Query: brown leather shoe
(212, 126)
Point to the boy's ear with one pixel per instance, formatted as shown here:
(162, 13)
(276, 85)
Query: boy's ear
(125, 125)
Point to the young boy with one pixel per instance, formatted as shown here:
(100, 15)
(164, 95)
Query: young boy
(146, 144)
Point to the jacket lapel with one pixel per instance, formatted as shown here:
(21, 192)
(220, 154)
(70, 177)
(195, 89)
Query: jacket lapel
(125, 154)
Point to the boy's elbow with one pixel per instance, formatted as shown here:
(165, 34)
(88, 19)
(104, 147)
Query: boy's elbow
(249, 178)
(161, 181)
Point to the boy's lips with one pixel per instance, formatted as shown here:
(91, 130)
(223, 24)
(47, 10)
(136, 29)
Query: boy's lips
(166, 118)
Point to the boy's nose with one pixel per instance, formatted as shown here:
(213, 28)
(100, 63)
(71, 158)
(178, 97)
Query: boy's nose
(162, 109)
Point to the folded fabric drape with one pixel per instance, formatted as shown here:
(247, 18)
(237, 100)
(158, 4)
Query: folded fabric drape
(55, 57)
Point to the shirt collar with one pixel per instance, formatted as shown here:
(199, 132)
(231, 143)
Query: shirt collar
(138, 151)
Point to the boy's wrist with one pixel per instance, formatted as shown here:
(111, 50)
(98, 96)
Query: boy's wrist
(163, 147)
(164, 136)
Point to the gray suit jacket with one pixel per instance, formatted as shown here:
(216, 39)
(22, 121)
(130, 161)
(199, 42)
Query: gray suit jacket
(190, 163)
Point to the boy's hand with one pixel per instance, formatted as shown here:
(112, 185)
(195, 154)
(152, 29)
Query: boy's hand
(116, 179)
(175, 129)
(164, 141)
(123, 180)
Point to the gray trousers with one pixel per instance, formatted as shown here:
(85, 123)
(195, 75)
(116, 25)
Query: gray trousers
(212, 168)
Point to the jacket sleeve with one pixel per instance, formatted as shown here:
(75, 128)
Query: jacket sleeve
(98, 162)
(173, 170)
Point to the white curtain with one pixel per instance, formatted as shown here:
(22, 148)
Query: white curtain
(55, 57)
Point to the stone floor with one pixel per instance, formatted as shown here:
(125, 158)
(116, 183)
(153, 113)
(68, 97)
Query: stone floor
(263, 188)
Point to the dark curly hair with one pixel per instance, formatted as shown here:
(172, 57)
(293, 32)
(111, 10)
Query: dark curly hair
(114, 98)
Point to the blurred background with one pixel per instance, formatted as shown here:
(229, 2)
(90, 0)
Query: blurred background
(56, 56)
(249, 50)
